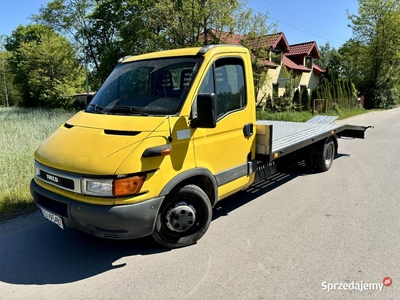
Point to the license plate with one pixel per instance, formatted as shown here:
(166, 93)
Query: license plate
(53, 218)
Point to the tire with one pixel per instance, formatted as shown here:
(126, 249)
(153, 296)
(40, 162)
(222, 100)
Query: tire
(183, 218)
(324, 160)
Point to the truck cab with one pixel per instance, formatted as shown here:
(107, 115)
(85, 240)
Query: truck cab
(167, 135)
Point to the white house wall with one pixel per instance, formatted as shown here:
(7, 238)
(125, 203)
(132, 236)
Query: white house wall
(311, 80)
(274, 76)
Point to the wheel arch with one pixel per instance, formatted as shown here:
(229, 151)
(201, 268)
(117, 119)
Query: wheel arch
(201, 177)
(316, 148)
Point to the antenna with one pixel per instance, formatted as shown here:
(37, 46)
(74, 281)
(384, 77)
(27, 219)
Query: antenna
(170, 131)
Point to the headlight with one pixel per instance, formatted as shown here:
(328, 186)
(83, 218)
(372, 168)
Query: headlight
(113, 187)
(98, 187)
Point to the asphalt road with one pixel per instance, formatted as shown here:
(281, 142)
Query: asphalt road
(287, 238)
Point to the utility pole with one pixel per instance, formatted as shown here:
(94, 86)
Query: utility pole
(82, 19)
(5, 82)
(4, 71)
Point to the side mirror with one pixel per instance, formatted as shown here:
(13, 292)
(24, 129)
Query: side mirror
(204, 111)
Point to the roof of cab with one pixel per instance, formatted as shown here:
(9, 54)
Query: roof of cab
(177, 52)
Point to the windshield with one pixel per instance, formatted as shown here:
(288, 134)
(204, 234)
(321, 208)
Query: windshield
(148, 87)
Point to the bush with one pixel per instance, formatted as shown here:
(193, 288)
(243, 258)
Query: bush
(305, 100)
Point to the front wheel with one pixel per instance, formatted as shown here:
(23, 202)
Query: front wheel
(183, 218)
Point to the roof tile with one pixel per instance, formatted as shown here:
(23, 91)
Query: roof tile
(304, 49)
(318, 69)
(292, 65)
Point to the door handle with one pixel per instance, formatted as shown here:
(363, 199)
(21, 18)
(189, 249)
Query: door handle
(248, 130)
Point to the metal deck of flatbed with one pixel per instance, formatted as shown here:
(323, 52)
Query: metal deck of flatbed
(290, 136)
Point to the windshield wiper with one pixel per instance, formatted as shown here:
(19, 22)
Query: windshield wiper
(131, 109)
(97, 108)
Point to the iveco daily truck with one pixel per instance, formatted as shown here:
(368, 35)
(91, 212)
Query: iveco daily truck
(166, 137)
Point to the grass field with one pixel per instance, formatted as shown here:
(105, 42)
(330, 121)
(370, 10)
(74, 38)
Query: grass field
(22, 130)
(302, 116)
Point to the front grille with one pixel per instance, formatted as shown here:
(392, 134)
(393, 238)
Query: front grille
(57, 180)
(65, 180)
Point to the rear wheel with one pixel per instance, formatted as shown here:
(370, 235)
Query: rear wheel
(324, 159)
(183, 218)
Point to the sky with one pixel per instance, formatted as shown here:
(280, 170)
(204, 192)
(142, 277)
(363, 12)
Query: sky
(300, 20)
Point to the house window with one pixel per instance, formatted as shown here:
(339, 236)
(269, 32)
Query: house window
(276, 57)
(309, 62)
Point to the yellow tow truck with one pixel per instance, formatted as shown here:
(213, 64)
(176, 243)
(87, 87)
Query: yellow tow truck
(166, 137)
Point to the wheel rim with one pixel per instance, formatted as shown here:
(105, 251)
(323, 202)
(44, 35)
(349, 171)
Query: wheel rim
(329, 152)
(180, 217)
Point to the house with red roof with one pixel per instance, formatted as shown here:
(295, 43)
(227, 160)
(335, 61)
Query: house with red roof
(301, 59)
(288, 65)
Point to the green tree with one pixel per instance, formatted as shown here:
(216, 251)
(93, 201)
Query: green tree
(257, 28)
(296, 98)
(9, 94)
(46, 70)
(8, 90)
(376, 29)
(352, 65)
(70, 19)
(315, 94)
(330, 59)
(305, 100)
(184, 23)
(110, 29)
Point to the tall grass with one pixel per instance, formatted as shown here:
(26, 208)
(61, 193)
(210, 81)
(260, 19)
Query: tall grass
(292, 116)
(22, 130)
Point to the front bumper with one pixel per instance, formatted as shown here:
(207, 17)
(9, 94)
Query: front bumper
(114, 222)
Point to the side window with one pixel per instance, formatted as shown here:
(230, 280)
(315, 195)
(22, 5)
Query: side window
(229, 85)
(228, 75)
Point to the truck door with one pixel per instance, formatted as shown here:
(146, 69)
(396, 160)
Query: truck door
(224, 150)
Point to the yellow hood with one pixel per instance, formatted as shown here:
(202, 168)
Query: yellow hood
(96, 143)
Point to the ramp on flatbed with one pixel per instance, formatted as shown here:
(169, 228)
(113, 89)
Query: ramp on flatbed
(322, 119)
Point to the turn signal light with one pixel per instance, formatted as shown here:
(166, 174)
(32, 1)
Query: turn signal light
(166, 151)
(128, 185)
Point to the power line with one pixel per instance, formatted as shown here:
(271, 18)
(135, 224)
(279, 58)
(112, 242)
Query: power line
(295, 22)
(318, 27)
(313, 34)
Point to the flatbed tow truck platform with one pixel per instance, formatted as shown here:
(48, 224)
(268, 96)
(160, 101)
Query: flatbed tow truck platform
(279, 138)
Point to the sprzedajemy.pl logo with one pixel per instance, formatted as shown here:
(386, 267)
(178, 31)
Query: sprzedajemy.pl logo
(360, 286)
